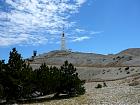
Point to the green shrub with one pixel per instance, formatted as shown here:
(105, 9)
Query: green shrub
(99, 86)
(127, 68)
(104, 84)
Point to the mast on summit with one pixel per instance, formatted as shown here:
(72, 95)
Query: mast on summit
(63, 46)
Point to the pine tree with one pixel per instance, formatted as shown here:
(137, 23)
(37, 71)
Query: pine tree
(43, 79)
(18, 80)
(18, 77)
(70, 83)
(47, 79)
(1, 78)
(15, 62)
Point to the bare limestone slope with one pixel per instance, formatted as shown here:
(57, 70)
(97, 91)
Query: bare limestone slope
(94, 67)
(120, 72)
(57, 57)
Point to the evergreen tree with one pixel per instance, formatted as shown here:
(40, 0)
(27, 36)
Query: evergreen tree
(69, 81)
(17, 84)
(47, 79)
(43, 79)
(18, 80)
(15, 61)
(12, 72)
(1, 78)
(28, 86)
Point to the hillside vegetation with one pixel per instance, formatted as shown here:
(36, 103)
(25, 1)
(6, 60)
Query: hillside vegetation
(18, 81)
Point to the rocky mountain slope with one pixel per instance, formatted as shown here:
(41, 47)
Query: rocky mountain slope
(94, 67)
(129, 57)
(120, 72)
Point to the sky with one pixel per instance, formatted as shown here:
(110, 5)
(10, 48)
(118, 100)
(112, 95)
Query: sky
(97, 26)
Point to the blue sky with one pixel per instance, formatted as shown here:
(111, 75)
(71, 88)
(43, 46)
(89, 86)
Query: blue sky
(99, 26)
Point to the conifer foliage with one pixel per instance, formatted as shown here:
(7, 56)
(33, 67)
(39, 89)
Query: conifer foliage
(18, 80)
(69, 81)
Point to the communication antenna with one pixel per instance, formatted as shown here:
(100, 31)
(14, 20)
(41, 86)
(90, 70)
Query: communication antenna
(63, 46)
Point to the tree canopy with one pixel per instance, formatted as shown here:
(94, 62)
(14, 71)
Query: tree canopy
(18, 80)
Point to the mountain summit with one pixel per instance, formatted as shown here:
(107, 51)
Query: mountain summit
(128, 57)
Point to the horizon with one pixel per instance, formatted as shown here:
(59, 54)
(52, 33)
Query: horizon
(94, 26)
(7, 57)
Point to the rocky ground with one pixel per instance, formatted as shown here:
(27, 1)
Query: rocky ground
(106, 73)
(120, 72)
(129, 57)
(91, 66)
(116, 93)
(123, 88)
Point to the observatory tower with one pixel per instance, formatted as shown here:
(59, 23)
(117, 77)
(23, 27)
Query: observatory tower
(63, 46)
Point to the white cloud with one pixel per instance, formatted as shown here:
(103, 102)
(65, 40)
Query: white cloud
(80, 1)
(79, 30)
(22, 38)
(40, 21)
(96, 32)
(35, 21)
(78, 39)
(5, 41)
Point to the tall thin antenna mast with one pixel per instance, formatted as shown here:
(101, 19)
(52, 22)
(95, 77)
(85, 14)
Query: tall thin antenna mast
(63, 46)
